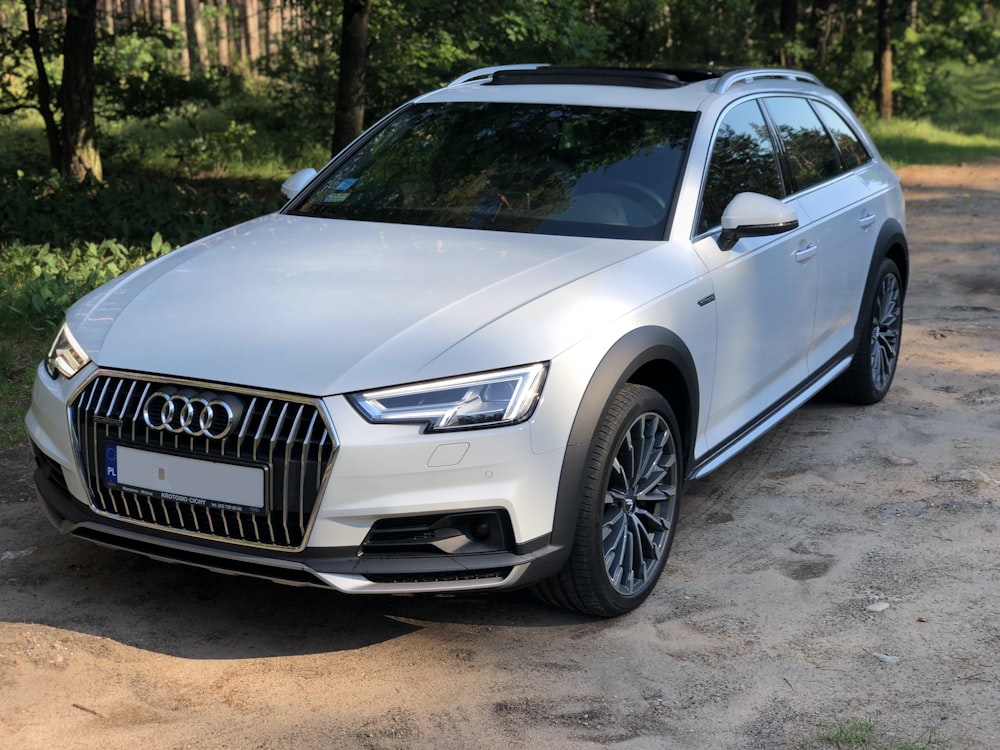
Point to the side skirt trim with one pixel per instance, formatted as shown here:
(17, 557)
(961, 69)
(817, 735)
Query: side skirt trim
(740, 440)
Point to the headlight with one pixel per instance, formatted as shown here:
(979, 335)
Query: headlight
(489, 399)
(66, 356)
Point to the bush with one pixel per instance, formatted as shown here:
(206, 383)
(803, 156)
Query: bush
(135, 77)
(38, 282)
(57, 211)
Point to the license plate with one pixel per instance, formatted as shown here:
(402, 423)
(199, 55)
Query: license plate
(187, 480)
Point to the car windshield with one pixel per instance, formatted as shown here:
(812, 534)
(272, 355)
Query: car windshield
(534, 168)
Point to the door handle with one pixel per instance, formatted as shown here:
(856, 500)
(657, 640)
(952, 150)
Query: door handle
(867, 220)
(806, 252)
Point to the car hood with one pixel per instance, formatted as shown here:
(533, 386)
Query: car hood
(320, 306)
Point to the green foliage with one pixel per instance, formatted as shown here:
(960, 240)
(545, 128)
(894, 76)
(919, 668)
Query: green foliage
(214, 151)
(974, 108)
(417, 45)
(904, 142)
(57, 211)
(863, 734)
(420, 44)
(967, 131)
(24, 145)
(38, 282)
(20, 353)
(135, 76)
(848, 735)
(926, 52)
(18, 73)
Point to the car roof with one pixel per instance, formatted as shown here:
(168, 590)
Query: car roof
(674, 89)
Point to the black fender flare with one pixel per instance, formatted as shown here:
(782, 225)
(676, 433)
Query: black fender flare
(890, 243)
(639, 356)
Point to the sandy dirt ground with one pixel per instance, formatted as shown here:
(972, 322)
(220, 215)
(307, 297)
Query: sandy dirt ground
(845, 534)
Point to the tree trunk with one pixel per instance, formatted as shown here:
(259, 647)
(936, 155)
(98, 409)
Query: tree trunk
(274, 28)
(185, 46)
(108, 15)
(883, 59)
(44, 87)
(252, 30)
(788, 19)
(350, 114)
(195, 37)
(76, 96)
(820, 21)
(222, 33)
(166, 15)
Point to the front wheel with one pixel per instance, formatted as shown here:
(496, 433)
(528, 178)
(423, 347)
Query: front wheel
(870, 374)
(629, 508)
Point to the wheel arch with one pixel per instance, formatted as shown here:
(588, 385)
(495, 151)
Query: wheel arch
(651, 356)
(891, 243)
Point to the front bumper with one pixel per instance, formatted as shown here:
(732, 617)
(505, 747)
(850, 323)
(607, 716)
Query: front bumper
(337, 568)
(400, 511)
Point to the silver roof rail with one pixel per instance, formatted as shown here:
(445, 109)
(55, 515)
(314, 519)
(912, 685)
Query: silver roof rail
(486, 73)
(748, 75)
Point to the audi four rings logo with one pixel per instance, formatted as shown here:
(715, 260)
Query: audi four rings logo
(194, 414)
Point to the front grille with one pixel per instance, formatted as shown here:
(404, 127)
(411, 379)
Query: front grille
(285, 437)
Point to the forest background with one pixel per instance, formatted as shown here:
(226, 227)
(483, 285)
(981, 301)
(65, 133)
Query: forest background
(128, 127)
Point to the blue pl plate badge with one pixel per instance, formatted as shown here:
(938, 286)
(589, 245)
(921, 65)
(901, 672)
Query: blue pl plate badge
(111, 463)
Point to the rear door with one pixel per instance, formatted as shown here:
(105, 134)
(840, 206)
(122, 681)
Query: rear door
(828, 166)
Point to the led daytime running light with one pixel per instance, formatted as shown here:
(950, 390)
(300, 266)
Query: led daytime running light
(66, 357)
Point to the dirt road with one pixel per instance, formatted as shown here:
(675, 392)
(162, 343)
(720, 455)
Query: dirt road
(846, 567)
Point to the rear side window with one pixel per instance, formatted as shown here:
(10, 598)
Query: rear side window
(742, 161)
(852, 151)
(811, 155)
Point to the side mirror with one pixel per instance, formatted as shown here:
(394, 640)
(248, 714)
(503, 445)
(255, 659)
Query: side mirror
(294, 184)
(755, 215)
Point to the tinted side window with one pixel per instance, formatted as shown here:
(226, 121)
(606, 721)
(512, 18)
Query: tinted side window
(852, 151)
(742, 161)
(811, 155)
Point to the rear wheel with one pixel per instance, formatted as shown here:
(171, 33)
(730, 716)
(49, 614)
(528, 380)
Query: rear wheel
(870, 375)
(629, 508)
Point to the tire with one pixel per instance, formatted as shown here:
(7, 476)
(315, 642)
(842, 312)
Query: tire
(870, 374)
(629, 508)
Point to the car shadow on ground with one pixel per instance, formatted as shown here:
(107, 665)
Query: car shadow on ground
(61, 582)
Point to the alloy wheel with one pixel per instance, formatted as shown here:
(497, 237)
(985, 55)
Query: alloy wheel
(639, 504)
(886, 325)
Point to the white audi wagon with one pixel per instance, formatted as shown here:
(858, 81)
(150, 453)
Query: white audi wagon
(489, 343)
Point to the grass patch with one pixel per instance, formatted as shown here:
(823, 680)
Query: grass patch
(853, 733)
(976, 106)
(863, 734)
(20, 353)
(968, 130)
(904, 142)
